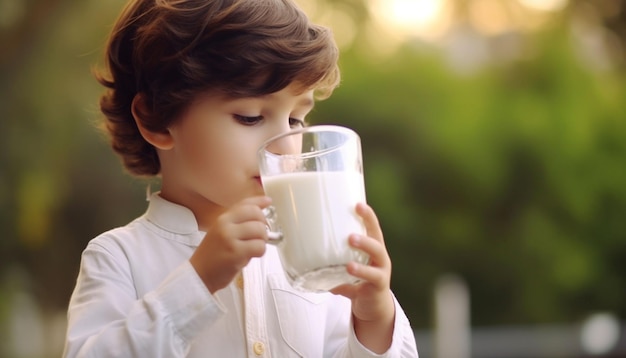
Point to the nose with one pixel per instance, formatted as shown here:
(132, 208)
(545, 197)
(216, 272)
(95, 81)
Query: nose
(288, 142)
(285, 140)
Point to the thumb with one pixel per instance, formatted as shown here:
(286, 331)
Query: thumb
(345, 290)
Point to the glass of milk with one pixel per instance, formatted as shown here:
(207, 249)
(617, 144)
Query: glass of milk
(314, 176)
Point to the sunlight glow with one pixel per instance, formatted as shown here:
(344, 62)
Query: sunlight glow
(424, 18)
(490, 17)
(470, 30)
(414, 12)
(544, 5)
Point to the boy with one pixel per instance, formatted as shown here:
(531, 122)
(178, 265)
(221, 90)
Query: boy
(194, 88)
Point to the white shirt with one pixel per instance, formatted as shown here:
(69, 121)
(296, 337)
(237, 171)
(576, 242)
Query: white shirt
(137, 295)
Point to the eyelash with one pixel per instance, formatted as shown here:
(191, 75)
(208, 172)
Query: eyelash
(250, 121)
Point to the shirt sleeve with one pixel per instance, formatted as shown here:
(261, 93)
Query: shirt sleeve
(106, 319)
(403, 340)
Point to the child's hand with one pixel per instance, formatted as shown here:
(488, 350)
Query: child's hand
(373, 309)
(235, 237)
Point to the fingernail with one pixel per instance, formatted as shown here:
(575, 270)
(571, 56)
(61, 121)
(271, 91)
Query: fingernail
(352, 268)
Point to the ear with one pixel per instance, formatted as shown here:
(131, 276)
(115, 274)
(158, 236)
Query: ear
(139, 109)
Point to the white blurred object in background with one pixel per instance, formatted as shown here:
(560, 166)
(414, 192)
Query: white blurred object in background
(600, 333)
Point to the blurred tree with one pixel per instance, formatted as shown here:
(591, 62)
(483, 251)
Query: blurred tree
(57, 185)
(503, 176)
(22, 26)
(611, 14)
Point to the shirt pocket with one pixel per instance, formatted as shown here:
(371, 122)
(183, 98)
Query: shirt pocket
(301, 316)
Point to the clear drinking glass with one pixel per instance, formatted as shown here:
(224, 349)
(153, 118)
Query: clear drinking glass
(314, 176)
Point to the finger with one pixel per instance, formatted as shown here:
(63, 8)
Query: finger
(371, 274)
(250, 230)
(372, 226)
(249, 211)
(346, 290)
(251, 238)
(374, 248)
(253, 248)
(260, 201)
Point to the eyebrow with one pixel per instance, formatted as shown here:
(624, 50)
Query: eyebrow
(307, 102)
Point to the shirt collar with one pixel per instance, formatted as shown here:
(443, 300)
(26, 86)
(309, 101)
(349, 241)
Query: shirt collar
(171, 217)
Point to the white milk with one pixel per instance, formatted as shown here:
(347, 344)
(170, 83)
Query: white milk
(316, 213)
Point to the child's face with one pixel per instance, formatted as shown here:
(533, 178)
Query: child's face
(215, 143)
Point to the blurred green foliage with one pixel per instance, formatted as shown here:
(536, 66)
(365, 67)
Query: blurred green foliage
(512, 176)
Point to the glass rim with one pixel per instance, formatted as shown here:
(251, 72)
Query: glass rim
(311, 129)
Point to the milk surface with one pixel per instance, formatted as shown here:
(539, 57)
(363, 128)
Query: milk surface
(316, 213)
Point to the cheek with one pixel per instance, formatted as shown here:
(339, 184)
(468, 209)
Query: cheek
(211, 156)
(216, 151)
(192, 147)
(193, 150)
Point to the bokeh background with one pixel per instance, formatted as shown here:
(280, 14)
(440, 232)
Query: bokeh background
(494, 139)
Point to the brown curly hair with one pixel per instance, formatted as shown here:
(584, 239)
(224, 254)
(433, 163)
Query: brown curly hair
(169, 51)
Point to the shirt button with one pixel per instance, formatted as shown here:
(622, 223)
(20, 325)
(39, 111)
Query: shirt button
(239, 281)
(259, 348)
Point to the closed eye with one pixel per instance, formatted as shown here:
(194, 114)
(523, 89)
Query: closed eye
(253, 120)
(248, 121)
(296, 123)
